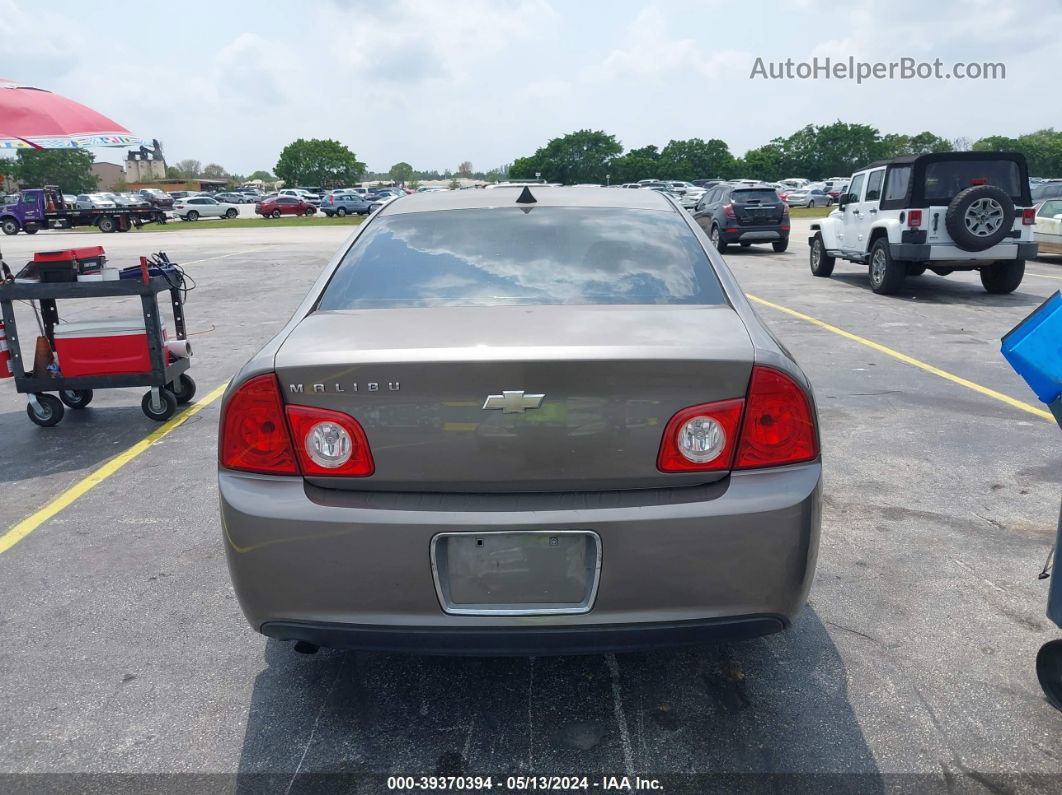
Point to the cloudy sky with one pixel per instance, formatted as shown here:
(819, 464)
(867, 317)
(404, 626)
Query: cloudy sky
(435, 83)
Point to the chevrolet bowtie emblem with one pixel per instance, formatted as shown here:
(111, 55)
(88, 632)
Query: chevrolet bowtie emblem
(513, 402)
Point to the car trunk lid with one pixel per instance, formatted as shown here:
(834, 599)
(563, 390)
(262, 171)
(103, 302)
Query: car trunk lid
(610, 377)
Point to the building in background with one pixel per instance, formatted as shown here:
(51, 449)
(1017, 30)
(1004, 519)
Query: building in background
(145, 165)
(107, 175)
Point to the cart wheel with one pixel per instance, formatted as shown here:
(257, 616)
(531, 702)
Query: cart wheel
(51, 410)
(76, 398)
(169, 406)
(183, 389)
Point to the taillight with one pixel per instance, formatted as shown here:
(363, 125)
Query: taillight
(258, 431)
(701, 438)
(728, 210)
(329, 443)
(331, 199)
(914, 218)
(1028, 216)
(779, 426)
(254, 436)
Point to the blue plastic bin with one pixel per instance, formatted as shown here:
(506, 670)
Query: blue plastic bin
(1034, 349)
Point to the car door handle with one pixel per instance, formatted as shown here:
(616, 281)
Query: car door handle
(875, 212)
(856, 212)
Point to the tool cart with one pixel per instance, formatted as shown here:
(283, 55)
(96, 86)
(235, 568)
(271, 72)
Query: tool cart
(67, 368)
(1034, 350)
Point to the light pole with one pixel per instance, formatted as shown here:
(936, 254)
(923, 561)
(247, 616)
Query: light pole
(608, 180)
(538, 175)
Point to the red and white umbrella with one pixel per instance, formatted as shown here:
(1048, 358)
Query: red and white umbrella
(32, 118)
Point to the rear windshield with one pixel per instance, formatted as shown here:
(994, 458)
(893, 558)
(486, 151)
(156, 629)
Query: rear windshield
(512, 256)
(761, 195)
(945, 179)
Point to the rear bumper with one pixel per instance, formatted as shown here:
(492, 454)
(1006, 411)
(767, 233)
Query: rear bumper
(352, 569)
(928, 252)
(753, 234)
(524, 641)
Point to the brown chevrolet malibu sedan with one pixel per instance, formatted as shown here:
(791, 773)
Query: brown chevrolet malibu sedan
(521, 422)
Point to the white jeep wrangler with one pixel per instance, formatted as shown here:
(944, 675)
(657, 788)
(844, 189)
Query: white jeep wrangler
(945, 212)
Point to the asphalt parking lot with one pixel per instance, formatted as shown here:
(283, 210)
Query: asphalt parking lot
(124, 650)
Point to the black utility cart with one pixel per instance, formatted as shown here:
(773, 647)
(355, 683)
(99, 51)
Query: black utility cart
(169, 385)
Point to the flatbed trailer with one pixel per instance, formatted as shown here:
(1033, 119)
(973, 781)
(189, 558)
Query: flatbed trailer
(44, 208)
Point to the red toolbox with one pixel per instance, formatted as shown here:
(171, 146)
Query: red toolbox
(88, 256)
(102, 347)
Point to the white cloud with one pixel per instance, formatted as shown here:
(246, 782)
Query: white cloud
(436, 83)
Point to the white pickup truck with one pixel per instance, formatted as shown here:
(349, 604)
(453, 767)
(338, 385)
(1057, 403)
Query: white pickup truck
(941, 212)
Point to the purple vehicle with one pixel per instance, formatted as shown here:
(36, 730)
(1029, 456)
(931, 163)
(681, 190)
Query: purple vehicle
(34, 209)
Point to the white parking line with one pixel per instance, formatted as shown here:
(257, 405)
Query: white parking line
(223, 256)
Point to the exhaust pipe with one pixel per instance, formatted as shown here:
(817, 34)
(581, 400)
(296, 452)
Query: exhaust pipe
(303, 647)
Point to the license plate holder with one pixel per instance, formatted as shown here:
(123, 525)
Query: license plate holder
(522, 572)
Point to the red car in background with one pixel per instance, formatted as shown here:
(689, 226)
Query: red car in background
(276, 206)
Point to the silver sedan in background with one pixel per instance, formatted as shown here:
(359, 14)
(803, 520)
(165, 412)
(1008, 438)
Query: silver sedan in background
(543, 422)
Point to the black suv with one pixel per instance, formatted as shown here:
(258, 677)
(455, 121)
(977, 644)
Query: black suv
(745, 214)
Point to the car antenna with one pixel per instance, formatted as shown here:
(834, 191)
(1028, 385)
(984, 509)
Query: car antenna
(526, 197)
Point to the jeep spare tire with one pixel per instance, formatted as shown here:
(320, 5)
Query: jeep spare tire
(979, 217)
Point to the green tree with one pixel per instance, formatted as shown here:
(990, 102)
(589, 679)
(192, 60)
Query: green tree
(189, 168)
(172, 172)
(70, 169)
(465, 169)
(828, 150)
(1042, 150)
(582, 156)
(214, 171)
(893, 145)
(454, 184)
(637, 164)
(265, 176)
(316, 161)
(696, 159)
(401, 172)
(764, 162)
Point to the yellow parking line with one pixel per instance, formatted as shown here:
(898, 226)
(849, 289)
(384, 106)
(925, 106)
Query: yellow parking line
(983, 390)
(54, 506)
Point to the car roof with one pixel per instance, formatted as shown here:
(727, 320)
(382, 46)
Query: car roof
(908, 159)
(544, 197)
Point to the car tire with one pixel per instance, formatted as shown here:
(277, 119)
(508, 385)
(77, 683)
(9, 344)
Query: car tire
(51, 410)
(341, 212)
(780, 245)
(76, 398)
(231, 213)
(308, 211)
(717, 240)
(30, 229)
(193, 215)
(811, 204)
(183, 389)
(275, 214)
(168, 409)
(106, 224)
(886, 274)
(10, 226)
(1049, 671)
(821, 262)
(979, 217)
(1003, 277)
